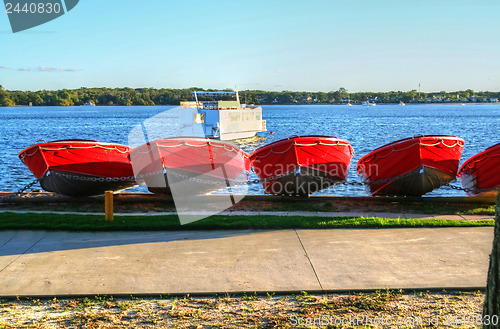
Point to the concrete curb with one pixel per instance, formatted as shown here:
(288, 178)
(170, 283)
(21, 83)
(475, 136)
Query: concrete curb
(243, 293)
(279, 213)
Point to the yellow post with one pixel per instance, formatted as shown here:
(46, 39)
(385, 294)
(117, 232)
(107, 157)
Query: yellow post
(108, 205)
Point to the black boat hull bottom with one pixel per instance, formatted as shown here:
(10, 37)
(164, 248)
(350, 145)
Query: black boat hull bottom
(305, 182)
(79, 185)
(416, 183)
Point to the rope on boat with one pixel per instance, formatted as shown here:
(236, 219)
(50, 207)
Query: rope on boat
(66, 147)
(485, 156)
(293, 144)
(394, 149)
(225, 146)
(69, 147)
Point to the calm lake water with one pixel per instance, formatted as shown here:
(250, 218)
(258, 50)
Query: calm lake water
(366, 129)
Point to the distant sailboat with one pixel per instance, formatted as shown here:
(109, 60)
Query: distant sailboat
(368, 104)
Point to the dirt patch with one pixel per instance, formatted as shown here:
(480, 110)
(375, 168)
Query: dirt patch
(375, 310)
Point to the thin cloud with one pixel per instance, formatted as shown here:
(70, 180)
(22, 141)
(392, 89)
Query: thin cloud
(62, 69)
(46, 69)
(248, 84)
(278, 71)
(41, 69)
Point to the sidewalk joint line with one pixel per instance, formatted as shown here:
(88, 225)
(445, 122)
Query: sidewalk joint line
(8, 241)
(463, 217)
(309, 259)
(43, 237)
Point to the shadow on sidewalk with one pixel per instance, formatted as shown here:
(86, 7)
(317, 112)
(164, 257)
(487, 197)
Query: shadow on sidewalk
(30, 242)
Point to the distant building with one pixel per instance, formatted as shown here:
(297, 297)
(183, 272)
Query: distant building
(437, 98)
(493, 100)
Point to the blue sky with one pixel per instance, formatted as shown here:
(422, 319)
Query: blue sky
(315, 45)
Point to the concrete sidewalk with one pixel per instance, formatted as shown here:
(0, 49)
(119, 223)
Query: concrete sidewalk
(39, 263)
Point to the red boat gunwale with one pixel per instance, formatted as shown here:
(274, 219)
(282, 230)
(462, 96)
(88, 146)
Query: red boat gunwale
(415, 139)
(177, 142)
(313, 138)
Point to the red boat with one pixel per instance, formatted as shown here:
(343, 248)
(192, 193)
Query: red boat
(412, 166)
(210, 164)
(79, 167)
(481, 173)
(302, 165)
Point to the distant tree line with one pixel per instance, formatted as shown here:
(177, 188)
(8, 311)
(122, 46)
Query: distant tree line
(151, 96)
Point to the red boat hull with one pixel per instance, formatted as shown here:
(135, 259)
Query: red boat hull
(481, 173)
(79, 168)
(412, 166)
(302, 165)
(210, 164)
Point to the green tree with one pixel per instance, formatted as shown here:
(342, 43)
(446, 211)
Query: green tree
(4, 98)
(63, 98)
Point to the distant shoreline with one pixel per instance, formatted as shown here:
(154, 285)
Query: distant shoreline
(164, 96)
(289, 104)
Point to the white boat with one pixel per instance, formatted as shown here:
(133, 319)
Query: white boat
(88, 104)
(226, 120)
(367, 103)
(402, 103)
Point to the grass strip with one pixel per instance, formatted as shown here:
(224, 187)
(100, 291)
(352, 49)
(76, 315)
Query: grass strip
(71, 222)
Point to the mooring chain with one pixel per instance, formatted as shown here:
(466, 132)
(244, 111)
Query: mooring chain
(454, 187)
(268, 179)
(333, 183)
(93, 179)
(19, 192)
